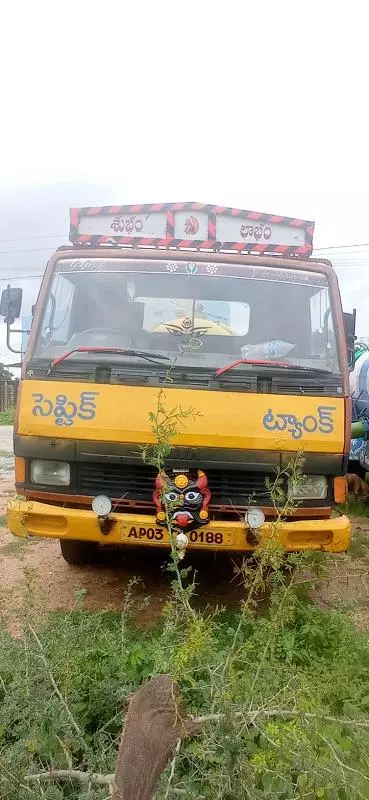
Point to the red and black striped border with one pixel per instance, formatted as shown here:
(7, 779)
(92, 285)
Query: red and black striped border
(210, 244)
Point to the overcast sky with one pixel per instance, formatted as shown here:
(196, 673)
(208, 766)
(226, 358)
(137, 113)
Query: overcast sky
(255, 105)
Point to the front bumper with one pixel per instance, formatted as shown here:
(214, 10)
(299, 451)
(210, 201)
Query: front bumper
(31, 518)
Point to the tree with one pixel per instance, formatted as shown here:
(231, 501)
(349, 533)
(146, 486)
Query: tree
(5, 374)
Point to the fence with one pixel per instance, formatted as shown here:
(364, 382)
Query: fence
(8, 394)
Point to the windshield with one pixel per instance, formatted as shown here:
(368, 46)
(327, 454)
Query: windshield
(199, 314)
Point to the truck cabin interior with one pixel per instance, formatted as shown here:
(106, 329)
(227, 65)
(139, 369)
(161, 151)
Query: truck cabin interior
(147, 310)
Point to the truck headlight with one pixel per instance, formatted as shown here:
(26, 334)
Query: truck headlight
(52, 473)
(311, 487)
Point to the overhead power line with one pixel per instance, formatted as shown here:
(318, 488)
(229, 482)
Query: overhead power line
(31, 238)
(24, 269)
(30, 250)
(20, 277)
(342, 247)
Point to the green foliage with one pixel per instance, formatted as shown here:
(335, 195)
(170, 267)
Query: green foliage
(7, 417)
(165, 425)
(6, 374)
(316, 662)
(355, 507)
(94, 668)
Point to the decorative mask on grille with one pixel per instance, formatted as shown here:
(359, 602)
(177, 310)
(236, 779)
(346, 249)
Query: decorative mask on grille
(182, 499)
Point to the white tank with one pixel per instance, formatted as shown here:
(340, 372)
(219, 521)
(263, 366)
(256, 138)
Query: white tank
(359, 390)
(359, 378)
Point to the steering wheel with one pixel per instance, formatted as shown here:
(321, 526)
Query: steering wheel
(99, 330)
(98, 335)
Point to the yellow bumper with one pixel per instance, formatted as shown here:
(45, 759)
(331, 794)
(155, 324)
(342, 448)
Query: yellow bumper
(28, 518)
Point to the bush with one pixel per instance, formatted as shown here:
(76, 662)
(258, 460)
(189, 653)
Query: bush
(7, 417)
(309, 662)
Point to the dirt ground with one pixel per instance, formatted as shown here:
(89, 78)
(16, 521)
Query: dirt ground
(35, 576)
(346, 586)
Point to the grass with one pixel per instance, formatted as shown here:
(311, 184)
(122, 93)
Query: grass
(7, 417)
(3, 521)
(317, 660)
(14, 548)
(359, 544)
(356, 508)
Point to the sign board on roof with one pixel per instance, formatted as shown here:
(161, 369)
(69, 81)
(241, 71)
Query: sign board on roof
(191, 225)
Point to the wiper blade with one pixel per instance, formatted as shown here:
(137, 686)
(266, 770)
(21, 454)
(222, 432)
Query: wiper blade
(260, 362)
(154, 358)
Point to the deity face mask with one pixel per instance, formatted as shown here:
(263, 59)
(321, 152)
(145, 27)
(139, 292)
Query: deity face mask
(182, 499)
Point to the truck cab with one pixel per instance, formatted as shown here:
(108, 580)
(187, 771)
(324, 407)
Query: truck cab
(217, 310)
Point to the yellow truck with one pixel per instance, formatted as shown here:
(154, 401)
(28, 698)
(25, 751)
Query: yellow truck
(250, 327)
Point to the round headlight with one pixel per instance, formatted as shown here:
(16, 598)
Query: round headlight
(254, 518)
(101, 505)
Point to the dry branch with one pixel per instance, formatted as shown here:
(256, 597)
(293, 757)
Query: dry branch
(56, 688)
(281, 713)
(153, 726)
(73, 776)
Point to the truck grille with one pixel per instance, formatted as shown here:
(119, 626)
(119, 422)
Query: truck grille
(117, 480)
(133, 482)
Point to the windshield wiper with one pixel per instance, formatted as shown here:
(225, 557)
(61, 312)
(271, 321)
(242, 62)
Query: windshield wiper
(154, 358)
(260, 362)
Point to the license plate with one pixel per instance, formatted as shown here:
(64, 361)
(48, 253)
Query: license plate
(211, 538)
(134, 534)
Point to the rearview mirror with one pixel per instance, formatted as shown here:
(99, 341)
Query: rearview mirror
(10, 304)
(349, 321)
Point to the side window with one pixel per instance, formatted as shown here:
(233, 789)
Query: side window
(48, 318)
(58, 311)
(322, 328)
(319, 309)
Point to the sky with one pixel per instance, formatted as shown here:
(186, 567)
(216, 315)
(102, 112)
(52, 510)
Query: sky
(258, 106)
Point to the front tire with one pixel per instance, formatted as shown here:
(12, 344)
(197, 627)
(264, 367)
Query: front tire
(79, 552)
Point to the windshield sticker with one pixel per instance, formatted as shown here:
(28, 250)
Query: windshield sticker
(203, 268)
(185, 327)
(297, 428)
(65, 410)
(192, 344)
(83, 265)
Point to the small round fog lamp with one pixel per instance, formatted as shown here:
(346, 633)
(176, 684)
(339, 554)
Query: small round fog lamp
(101, 505)
(254, 518)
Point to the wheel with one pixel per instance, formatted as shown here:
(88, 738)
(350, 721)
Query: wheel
(75, 551)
